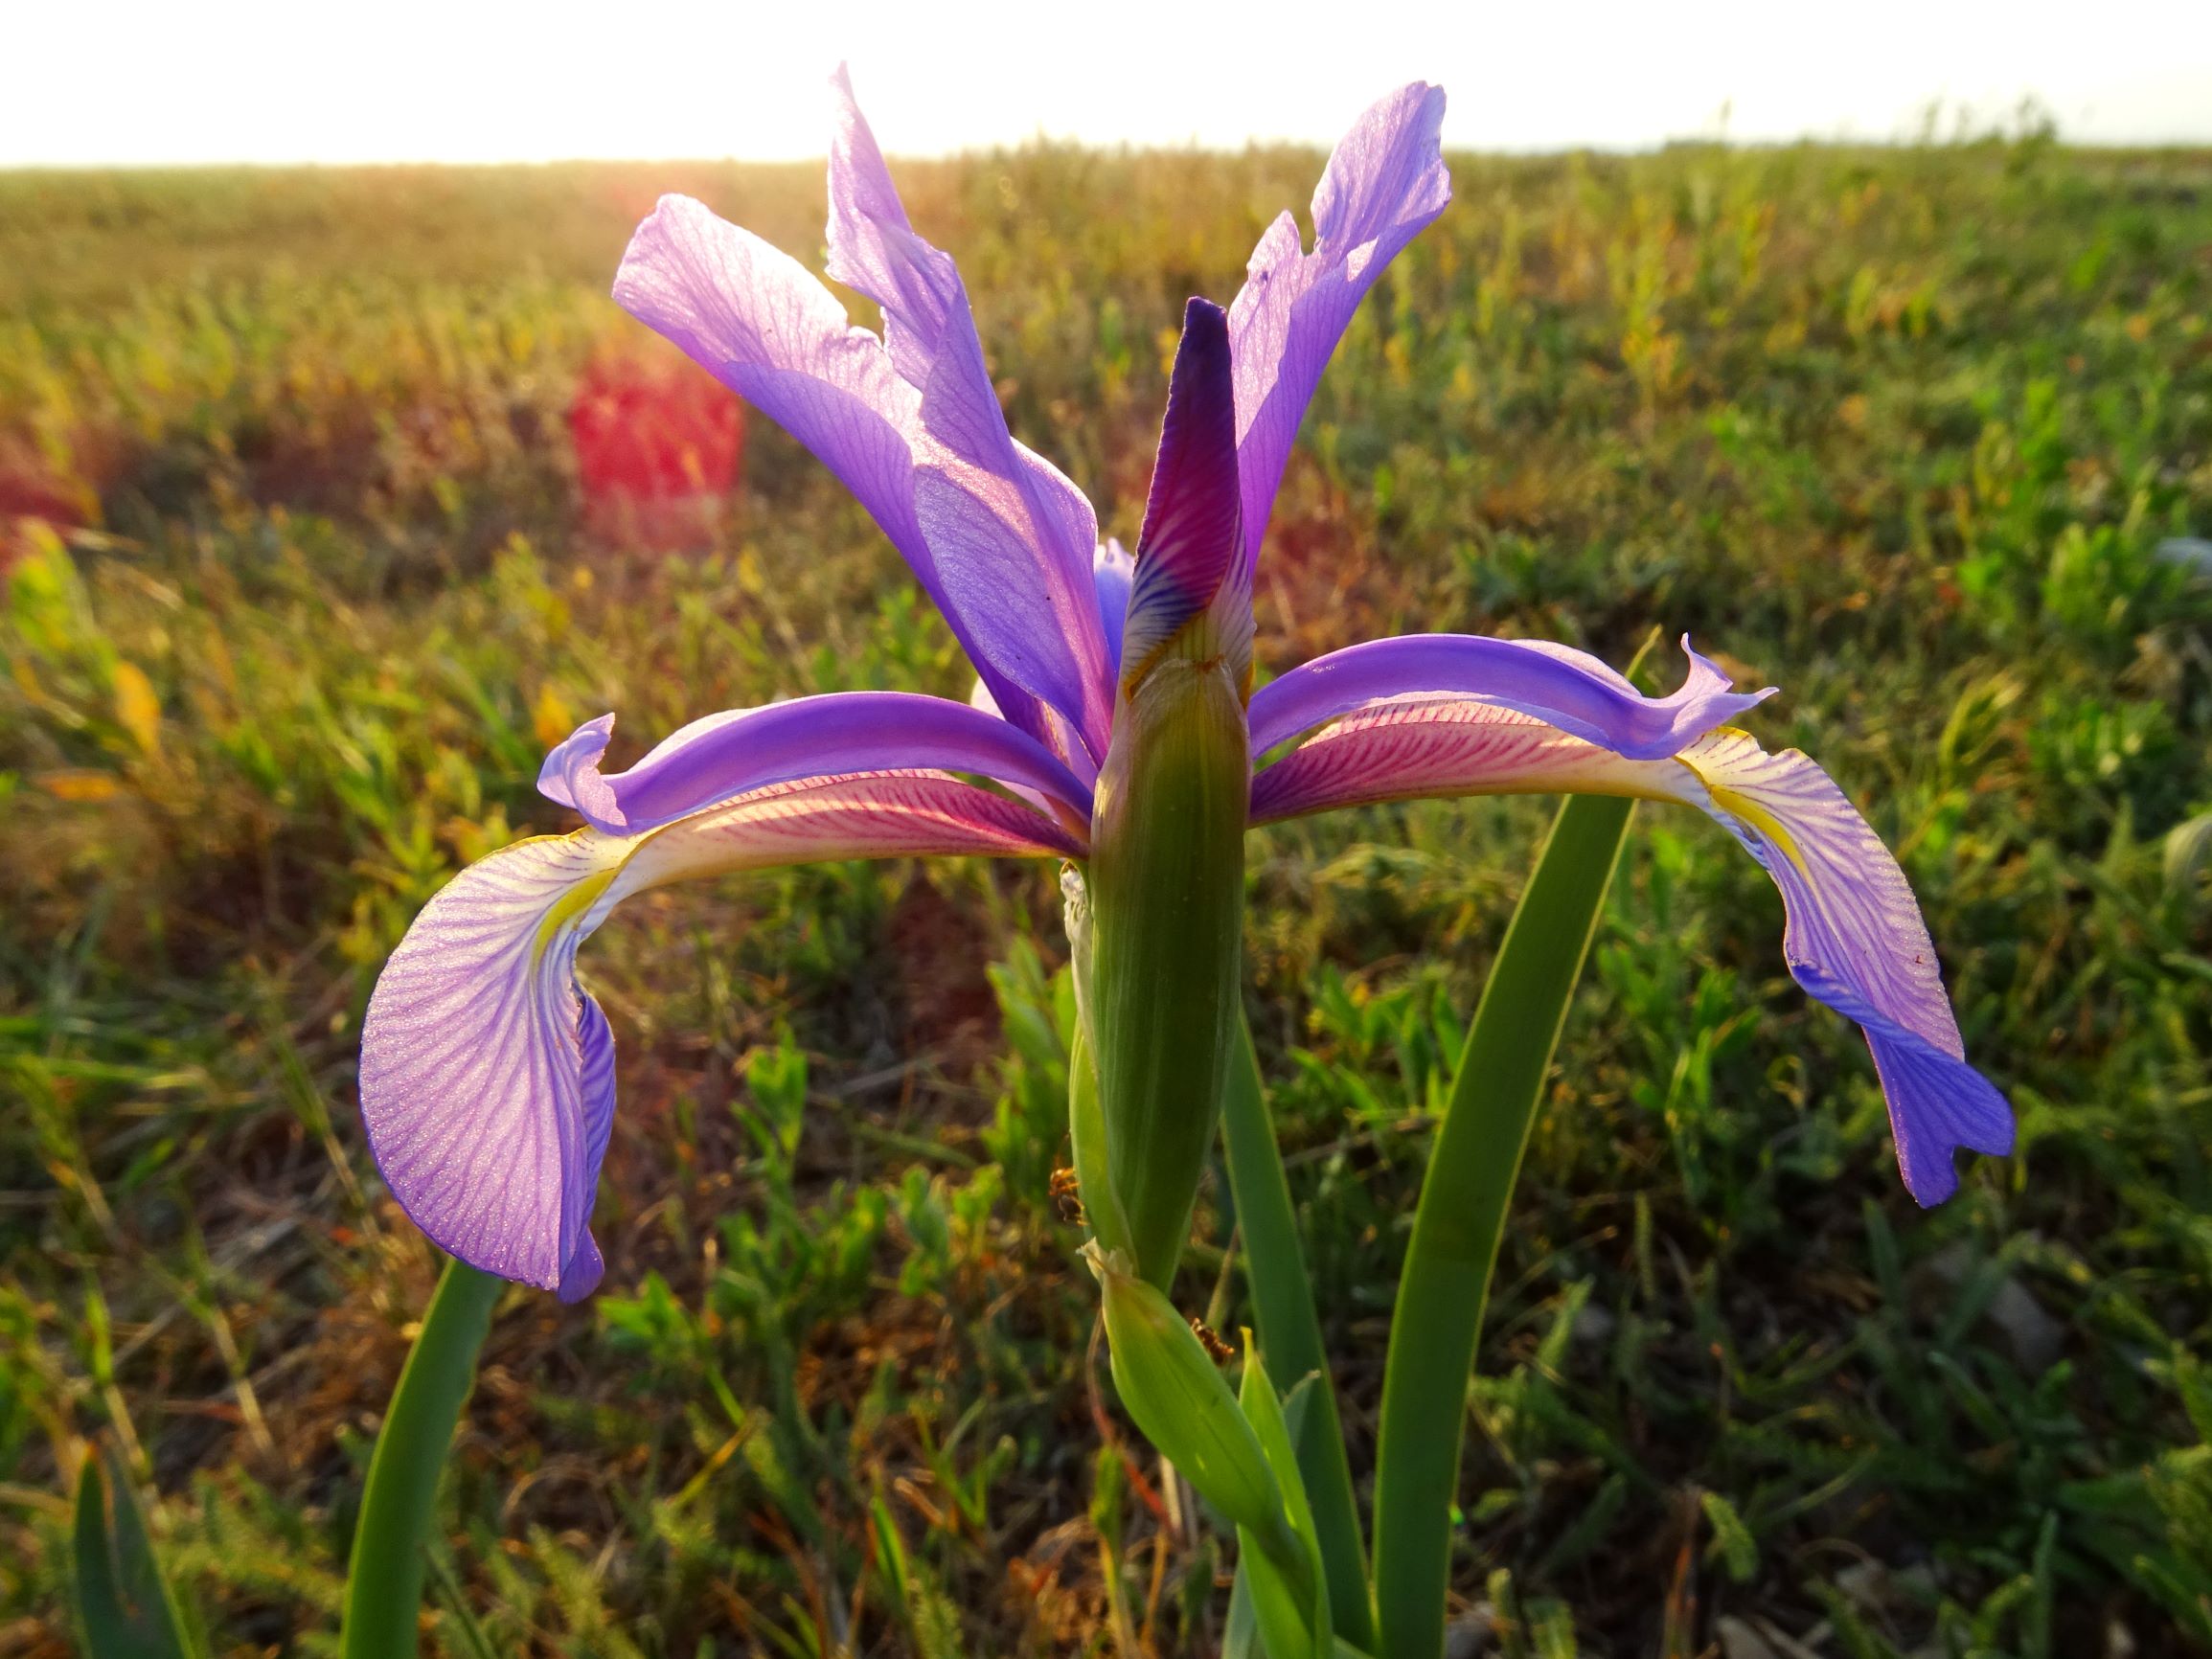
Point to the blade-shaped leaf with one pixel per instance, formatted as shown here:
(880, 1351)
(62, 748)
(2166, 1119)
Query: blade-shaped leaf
(1471, 1169)
(122, 1603)
(1288, 1590)
(1290, 1334)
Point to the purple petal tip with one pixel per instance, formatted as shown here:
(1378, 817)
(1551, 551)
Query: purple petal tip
(570, 776)
(1938, 1107)
(1191, 542)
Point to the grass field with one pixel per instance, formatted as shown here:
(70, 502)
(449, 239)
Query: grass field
(312, 587)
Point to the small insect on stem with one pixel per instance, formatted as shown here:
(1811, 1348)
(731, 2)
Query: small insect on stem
(1211, 1341)
(1068, 1194)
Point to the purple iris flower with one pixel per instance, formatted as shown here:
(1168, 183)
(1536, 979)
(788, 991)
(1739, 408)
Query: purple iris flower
(487, 1072)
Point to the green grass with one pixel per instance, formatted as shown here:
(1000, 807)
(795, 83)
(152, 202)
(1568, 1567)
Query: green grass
(1898, 431)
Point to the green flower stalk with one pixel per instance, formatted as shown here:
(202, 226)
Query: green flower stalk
(1159, 949)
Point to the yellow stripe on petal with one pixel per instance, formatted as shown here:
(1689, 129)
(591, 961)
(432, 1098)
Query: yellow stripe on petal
(580, 899)
(1728, 752)
(1741, 805)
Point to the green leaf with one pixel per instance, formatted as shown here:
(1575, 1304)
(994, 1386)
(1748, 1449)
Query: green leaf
(1240, 1635)
(1446, 1281)
(1551, 1629)
(2036, 1617)
(1289, 1593)
(124, 1604)
(891, 1555)
(384, 1581)
(1290, 1336)
(1731, 1537)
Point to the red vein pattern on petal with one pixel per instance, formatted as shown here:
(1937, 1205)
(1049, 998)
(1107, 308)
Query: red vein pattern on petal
(1568, 688)
(1423, 746)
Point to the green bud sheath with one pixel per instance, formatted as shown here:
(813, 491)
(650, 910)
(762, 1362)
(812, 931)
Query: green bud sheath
(1159, 944)
(1167, 891)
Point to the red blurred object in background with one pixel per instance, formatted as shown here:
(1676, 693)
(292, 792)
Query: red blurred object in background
(32, 489)
(658, 443)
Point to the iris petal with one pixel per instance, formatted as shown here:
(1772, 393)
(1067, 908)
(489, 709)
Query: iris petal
(1420, 748)
(756, 320)
(1853, 937)
(488, 1074)
(1010, 537)
(1112, 571)
(732, 754)
(474, 1073)
(1568, 689)
(1384, 182)
(1855, 940)
(911, 423)
(1190, 555)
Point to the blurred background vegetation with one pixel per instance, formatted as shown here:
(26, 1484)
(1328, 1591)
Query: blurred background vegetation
(302, 577)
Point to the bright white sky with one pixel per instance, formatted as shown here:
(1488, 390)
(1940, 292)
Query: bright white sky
(102, 82)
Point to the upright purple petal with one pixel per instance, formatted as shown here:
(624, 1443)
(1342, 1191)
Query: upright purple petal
(1569, 689)
(1384, 183)
(1011, 537)
(1190, 557)
(1112, 574)
(755, 319)
(486, 1073)
(731, 754)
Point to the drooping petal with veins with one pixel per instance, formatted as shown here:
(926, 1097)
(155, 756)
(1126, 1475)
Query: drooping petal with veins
(1568, 689)
(1855, 941)
(486, 1073)
(1384, 183)
(1853, 937)
(732, 754)
(473, 1063)
(1012, 537)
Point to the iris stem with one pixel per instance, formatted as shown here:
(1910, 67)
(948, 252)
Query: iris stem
(1444, 1285)
(384, 1581)
(1290, 1336)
